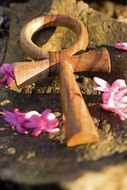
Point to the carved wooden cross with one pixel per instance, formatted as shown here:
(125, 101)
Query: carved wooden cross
(80, 127)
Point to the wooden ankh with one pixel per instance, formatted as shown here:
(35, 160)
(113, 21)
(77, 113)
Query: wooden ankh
(79, 125)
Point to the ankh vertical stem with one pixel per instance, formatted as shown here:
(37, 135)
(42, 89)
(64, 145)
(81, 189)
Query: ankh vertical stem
(79, 125)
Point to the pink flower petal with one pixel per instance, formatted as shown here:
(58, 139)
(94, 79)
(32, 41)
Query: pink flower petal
(103, 85)
(124, 99)
(14, 118)
(121, 114)
(37, 131)
(46, 121)
(30, 114)
(46, 113)
(120, 93)
(21, 129)
(105, 97)
(55, 130)
(5, 67)
(114, 98)
(51, 124)
(8, 76)
(23, 122)
(35, 122)
(121, 45)
(10, 82)
(50, 120)
(119, 83)
(3, 80)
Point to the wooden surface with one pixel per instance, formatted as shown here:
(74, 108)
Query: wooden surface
(79, 125)
(31, 28)
(97, 60)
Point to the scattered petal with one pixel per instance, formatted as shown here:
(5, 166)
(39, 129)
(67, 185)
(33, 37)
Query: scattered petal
(36, 132)
(32, 120)
(45, 122)
(114, 97)
(121, 45)
(102, 84)
(10, 82)
(29, 114)
(15, 119)
(8, 77)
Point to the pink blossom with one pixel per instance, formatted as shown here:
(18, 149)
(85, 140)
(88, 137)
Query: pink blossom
(32, 120)
(114, 96)
(15, 119)
(121, 45)
(45, 122)
(7, 71)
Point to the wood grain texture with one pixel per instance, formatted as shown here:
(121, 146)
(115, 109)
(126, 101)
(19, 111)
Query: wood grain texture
(95, 61)
(37, 24)
(79, 125)
(80, 128)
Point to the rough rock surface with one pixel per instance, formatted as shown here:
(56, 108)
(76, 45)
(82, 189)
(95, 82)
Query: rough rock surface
(46, 159)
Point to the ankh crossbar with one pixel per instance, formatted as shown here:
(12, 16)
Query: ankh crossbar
(79, 125)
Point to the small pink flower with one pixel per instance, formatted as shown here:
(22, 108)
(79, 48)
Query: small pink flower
(114, 96)
(23, 122)
(15, 119)
(8, 76)
(121, 45)
(45, 122)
